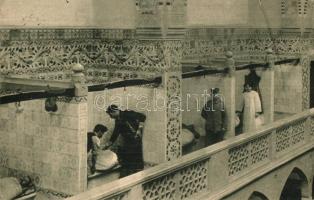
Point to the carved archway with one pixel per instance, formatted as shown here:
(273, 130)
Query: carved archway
(257, 196)
(296, 186)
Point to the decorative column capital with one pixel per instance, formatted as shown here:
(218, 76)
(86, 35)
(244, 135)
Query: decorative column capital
(78, 79)
(230, 62)
(270, 58)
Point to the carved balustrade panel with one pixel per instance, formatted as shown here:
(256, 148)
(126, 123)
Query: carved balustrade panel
(161, 188)
(193, 179)
(122, 196)
(181, 184)
(290, 135)
(249, 154)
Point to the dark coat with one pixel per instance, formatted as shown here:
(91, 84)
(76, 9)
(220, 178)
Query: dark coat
(214, 114)
(131, 153)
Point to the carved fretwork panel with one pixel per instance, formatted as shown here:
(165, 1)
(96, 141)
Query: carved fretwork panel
(173, 91)
(290, 135)
(282, 138)
(249, 154)
(305, 63)
(123, 196)
(246, 44)
(180, 184)
(238, 158)
(298, 132)
(193, 179)
(40, 51)
(104, 60)
(162, 188)
(312, 126)
(36, 57)
(260, 149)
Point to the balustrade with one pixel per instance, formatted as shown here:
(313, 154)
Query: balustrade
(192, 175)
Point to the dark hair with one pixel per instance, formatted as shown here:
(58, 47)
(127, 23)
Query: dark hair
(112, 108)
(100, 128)
(215, 90)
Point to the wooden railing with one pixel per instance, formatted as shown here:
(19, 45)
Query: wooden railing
(212, 171)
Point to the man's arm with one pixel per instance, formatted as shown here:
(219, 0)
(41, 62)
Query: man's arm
(115, 134)
(140, 118)
(96, 143)
(205, 109)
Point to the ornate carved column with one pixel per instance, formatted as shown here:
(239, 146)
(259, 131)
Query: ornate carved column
(160, 25)
(172, 86)
(306, 65)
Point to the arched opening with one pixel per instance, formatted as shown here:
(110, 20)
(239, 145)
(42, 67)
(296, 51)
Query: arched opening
(296, 186)
(257, 196)
(313, 187)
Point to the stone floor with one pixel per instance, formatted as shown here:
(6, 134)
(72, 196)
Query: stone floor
(103, 179)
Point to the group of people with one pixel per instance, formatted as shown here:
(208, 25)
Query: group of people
(248, 119)
(129, 125)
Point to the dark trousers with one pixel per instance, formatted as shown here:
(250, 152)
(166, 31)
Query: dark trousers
(213, 137)
(131, 159)
(93, 167)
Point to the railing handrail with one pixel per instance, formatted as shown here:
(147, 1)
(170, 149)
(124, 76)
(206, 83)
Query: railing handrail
(125, 184)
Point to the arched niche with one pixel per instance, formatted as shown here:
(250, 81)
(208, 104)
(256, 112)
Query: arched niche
(296, 186)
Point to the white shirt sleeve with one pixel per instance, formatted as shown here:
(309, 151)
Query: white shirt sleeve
(96, 141)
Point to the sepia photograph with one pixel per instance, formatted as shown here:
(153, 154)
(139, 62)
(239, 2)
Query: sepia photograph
(156, 99)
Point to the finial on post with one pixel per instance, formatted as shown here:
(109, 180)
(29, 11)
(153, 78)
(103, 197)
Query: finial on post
(230, 63)
(79, 80)
(270, 58)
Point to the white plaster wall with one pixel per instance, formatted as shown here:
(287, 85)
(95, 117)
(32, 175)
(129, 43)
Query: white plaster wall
(193, 98)
(217, 12)
(65, 13)
(288, 88)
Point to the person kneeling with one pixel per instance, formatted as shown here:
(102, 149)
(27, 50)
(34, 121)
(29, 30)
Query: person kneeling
(93, 146)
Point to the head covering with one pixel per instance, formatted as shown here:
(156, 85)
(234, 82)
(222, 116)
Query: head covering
(112, 108)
